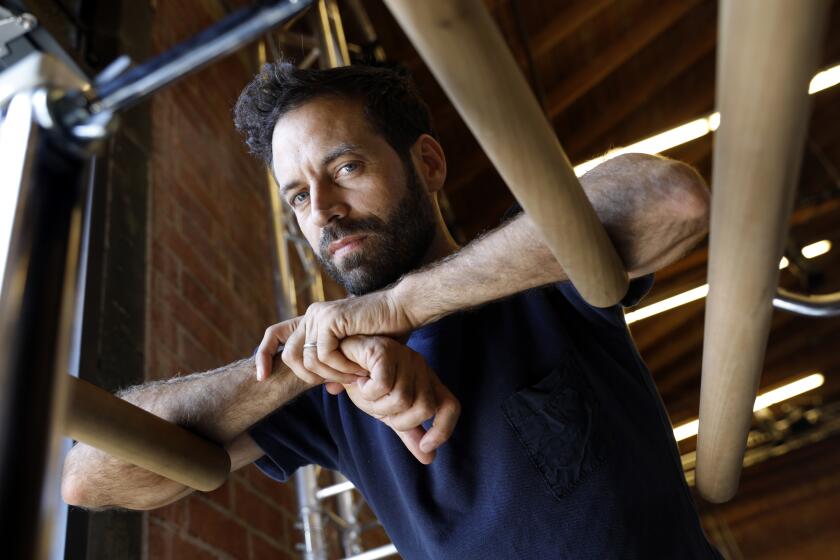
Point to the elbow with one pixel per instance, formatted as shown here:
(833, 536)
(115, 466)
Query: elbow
(689, 200)
(73, 491)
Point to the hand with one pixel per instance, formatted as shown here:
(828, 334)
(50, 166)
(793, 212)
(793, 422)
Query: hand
(274, 337)
(325, 324)
(402, 391)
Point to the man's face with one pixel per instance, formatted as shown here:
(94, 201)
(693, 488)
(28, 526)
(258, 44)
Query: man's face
(363, 210)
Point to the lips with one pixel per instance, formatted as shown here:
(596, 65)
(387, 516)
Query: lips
(345, 244)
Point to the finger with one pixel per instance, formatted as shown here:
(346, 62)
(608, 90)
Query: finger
(274, 336)
(265, 352)
(446, 417)
(411, 439)
(331, 356)
(371, 354)
(334, 388)
(312, 364)
(310, 354)
(293, 357)
(421, 410)
(401, 397)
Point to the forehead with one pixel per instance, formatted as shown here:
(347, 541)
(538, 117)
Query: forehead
(317, 127)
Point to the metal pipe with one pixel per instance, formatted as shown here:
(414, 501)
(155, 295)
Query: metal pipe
(767, 54)
(375, 553)
(228, 35)
(35, 318)
(351, 532)
(334, 490)
(486, 85)
(823, 305)
(337, 29)
(306, 483)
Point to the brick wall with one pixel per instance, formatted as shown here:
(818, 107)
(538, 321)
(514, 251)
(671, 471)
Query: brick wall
(210, 285)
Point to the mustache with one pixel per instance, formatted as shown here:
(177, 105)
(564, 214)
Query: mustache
(347, 227)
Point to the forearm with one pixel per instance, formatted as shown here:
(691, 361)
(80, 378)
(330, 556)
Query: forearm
(219, 405)
(653, 209)
(505, 261)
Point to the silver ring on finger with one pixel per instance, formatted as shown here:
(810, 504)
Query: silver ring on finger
(310, 345)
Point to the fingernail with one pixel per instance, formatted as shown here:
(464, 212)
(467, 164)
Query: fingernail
(426, 446)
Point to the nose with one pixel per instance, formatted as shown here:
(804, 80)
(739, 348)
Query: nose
(327, 204)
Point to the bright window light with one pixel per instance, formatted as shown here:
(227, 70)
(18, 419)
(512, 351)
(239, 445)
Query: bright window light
(809, 252)
(695, 129)
(816, 249)
(824, 80)
(764, 400)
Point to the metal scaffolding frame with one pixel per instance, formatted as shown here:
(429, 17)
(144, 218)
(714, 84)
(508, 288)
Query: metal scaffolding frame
(325, 44)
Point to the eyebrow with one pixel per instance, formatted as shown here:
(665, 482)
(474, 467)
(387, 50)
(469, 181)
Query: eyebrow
(332, 155)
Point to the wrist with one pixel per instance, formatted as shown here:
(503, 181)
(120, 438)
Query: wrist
(403, 297)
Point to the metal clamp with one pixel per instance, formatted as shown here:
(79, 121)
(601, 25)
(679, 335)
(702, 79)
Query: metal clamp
(12, 27)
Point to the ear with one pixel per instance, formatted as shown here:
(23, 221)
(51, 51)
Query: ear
(430, 162)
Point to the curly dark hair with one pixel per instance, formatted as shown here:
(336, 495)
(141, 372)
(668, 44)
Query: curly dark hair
(391, 101)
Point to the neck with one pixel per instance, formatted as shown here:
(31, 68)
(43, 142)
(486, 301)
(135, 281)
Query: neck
(442, 245)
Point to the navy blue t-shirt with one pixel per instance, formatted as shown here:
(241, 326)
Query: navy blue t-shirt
(563, 448)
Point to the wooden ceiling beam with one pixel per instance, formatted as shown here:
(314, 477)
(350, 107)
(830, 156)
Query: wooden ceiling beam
(687, 54)
(564, 24)
(592, 72)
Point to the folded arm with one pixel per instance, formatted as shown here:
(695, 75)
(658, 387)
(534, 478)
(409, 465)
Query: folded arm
(220, 405)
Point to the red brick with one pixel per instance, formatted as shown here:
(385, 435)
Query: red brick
(220, 495)
(199, 328)
(293, 533)
(195, 357)
(186, 550)
(206, 305)
(257, 512)
(281, 494)
(216, 529)
(162, 327)
(160, 541)
(261, 549)
(164, 263)
(203, 245)
(175, 513)
(190, 260)
(165, 364)
(192, 210)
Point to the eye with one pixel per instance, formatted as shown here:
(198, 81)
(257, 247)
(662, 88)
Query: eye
(347, 168)
(298, 198)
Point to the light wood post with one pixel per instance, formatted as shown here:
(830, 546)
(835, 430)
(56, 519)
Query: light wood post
(766, 55)
(98, 418)
(468, 56)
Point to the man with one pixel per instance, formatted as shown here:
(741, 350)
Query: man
(562, 448)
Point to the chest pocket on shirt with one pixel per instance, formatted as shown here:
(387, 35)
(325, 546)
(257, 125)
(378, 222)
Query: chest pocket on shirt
(557, 421)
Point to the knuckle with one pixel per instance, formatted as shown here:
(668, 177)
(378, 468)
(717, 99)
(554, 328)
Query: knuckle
(401, 424)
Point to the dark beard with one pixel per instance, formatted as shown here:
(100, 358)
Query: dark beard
(393, 247)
